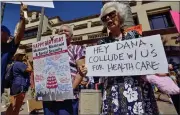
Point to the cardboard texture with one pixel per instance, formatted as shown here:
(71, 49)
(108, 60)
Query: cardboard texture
(32, 104)
(90, 102)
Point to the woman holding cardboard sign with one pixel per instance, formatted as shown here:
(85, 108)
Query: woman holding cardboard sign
(126, 94)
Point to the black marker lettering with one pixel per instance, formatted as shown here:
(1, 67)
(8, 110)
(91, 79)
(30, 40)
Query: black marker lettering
(121, 56)
(141, 43)
(130, 56)
(135, 54)
(106, 47)
(126, 45)
(137, 65)
(134, 44)
(148, 64)
(95, 59)
(143, 66)
(147, 53)
(154, 53)
(119, 46)
(131, 67)
(154, 64)
(90, 60)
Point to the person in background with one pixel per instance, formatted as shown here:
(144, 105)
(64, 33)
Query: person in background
(5, 98)
(20, 83)
(76, 59)
(124, 94)
(175, 99)
(31, 91)
(173, 76)
(5, 95)
(8, 48)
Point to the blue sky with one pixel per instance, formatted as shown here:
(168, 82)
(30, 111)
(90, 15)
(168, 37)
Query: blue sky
(66, 10)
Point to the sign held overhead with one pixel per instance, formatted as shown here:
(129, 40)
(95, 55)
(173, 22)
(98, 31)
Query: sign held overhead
(47, 4)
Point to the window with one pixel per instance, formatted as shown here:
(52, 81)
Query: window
(133, 3)
(77, 38)
(160, 21)
(136, 21)
(98, 35)
(98, 23)
(30, 33)
(146, 2)
(81, 26)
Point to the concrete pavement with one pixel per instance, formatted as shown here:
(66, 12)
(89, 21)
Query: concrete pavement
(164, 107)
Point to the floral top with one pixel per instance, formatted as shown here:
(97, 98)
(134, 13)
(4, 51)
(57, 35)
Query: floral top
(127, 95)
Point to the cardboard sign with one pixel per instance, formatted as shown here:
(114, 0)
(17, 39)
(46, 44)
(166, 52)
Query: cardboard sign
(51, 69)
(90, 102)
(48, 4)
(176, 17)
(32, 104)
(125, 58)
(137, 28)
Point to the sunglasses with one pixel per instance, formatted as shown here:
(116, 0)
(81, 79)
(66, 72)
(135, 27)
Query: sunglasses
(111, 15)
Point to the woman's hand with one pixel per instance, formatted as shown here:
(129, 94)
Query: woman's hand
(83, 70)
(170, 67)
(22, 9)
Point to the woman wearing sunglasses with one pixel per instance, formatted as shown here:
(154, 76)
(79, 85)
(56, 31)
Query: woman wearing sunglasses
(125, 95)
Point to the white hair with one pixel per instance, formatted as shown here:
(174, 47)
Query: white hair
(120, 8)
(69, 27)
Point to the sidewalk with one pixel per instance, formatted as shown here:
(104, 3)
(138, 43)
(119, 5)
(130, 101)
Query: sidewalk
(24, 108)
(164, 107)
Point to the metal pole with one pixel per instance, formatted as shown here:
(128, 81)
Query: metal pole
(40, 25)
(3, 5)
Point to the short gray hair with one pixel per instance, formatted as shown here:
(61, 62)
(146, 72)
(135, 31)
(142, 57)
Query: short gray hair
(120, 8)
(69, 27)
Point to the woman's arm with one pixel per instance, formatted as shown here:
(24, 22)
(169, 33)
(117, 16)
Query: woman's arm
(29, 67)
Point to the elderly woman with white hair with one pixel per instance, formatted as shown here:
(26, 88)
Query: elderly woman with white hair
(125, 95)
(76, 59)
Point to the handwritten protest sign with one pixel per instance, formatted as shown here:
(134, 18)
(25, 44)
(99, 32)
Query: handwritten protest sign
(131, 57)
(51, 69)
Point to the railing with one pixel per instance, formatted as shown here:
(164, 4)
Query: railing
(78, 38)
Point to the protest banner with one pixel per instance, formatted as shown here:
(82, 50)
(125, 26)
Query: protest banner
(125, 58)
(51, 69)
(176, 18)
(48, 4)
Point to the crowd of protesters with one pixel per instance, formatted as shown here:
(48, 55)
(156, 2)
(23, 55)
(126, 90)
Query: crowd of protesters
(116, 90)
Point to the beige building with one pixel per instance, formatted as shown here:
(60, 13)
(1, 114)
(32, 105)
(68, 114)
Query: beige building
(154, 17)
